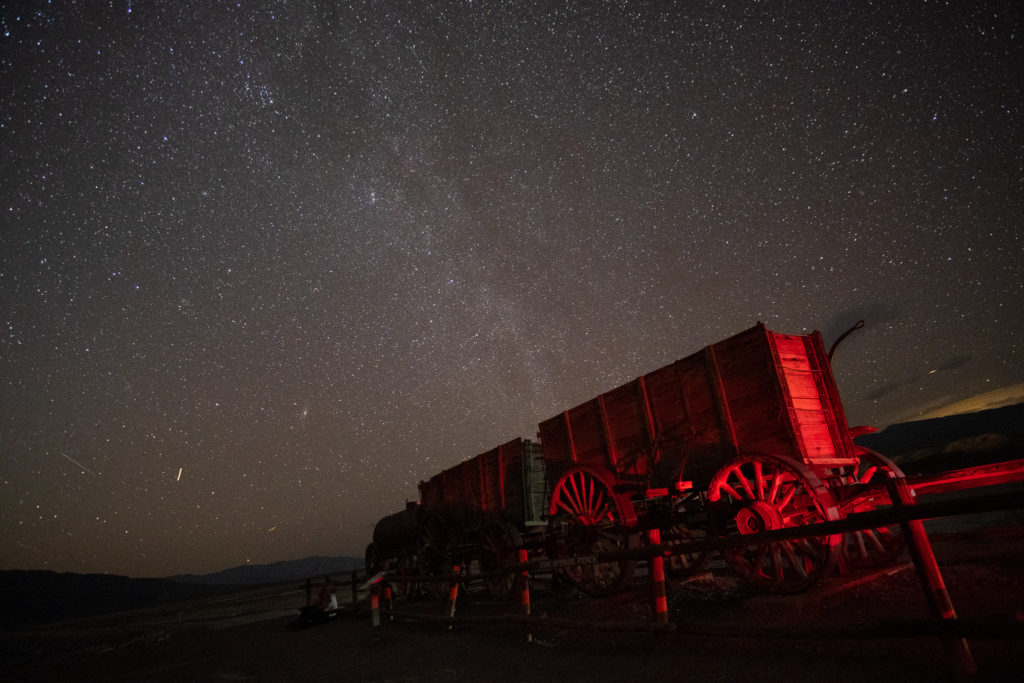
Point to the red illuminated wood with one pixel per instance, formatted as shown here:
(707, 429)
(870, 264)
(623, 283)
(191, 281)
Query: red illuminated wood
(499, 546)
(609, 436)
(870, 547)
(684, 565)
(568, 434)
(721, 402)
(939, 602)
(757, 493)
(591, 518)
(1005, 472)
(650, 430)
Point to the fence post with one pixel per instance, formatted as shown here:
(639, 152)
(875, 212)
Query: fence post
(928, 572)
(658, 580)
(453, 593)
(375, 605)
(524, 591)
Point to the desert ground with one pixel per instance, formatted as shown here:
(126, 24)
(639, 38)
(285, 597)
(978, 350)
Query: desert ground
(864, 626)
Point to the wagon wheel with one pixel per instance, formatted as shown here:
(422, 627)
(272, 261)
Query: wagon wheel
(432, 554)
(499, 545)
(684, 565)
(755, 493)
(881, 545)
(405, 565)
(597, 520)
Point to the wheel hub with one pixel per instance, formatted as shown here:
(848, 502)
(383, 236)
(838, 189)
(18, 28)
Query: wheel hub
(758, 517)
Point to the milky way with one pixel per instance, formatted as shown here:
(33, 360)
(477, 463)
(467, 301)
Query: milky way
(267, 265)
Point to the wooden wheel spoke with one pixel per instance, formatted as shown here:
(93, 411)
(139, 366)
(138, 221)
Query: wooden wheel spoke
(745, 483)
(598, 503)
(561, 504)
(776, 563)
(776, 483)
(730, 491)
(874, 535)
(576, 495)
(592, 503)
(794, 561)
(759, 555)
(858, 537)
(574, 501)
(759, 479)
(787, 498)
(810, 549)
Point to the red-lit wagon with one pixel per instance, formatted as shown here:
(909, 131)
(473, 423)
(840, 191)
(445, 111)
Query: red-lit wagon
(479, 510)
(745, 436)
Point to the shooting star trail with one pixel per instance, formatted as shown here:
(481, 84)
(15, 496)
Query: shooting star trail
(79, 464)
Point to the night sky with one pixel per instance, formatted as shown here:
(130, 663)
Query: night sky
(266, 265)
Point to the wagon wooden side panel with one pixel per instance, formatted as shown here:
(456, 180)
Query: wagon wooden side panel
(691, 431)
(816, 412)
(508, 483)
(754, 404)
(756, 392)
(487, 486)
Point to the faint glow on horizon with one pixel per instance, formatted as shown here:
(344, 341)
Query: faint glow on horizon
(990, 400)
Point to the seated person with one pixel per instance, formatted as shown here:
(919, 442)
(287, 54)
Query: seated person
(325, 607)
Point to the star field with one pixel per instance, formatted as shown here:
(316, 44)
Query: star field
(266, 265)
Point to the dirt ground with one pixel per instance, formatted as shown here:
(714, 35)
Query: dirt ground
(848, 629)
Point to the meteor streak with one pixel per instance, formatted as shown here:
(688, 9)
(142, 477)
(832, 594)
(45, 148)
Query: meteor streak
(79, 464)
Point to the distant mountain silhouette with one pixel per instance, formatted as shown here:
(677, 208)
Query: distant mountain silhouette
(278, 572)
(954, 441)
(44, 596)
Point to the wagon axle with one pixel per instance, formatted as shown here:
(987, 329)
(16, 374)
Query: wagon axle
(758, 517)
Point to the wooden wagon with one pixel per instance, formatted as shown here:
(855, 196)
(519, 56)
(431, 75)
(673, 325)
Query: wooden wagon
(747, 435)
(744, 436)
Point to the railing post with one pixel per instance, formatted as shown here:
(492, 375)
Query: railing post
(453, 593)
(524, 591)
(375, 605)
(935, 593)
(658, 580)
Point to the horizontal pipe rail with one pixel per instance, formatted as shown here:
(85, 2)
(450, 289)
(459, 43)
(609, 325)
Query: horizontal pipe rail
(884, 628)
(854, 522)
(993, 474)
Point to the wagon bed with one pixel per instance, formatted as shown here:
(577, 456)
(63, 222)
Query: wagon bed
(756, 392)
